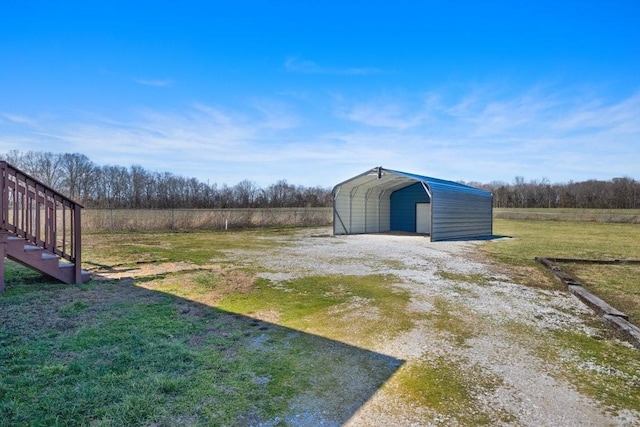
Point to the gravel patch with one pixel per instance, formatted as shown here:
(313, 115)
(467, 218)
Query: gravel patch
(528, 392)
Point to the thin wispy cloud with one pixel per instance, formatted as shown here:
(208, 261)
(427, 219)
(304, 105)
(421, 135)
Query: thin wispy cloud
(155, 82)
(383, 114)
(18, 119)
(296, 65)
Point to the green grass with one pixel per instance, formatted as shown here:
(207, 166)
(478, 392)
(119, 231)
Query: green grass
(618, 285)
(113, 354)
(564, 239)
(354, 308)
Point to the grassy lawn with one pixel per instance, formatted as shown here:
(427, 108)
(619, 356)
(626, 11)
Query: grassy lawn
(201, 348)
(618, 285)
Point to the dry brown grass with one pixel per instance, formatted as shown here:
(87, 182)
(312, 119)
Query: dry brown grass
(119, 220)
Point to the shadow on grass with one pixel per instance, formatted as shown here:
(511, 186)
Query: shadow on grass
(112, 353)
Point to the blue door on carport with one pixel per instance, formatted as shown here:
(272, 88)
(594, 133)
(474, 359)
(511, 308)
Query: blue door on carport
(403, 207)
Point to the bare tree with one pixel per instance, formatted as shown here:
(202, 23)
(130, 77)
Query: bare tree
(77, 171)
(245, 193)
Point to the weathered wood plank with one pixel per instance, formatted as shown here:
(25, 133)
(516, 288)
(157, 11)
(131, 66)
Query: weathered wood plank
(629, 330)
(558, 272)
(594, 261)
(597, 304)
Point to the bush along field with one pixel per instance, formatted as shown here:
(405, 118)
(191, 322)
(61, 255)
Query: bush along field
(294, 327)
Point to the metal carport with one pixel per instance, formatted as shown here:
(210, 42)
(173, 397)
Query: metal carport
(382, 200)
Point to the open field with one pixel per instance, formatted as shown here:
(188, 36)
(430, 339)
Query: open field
(565, 214)
(294, 327)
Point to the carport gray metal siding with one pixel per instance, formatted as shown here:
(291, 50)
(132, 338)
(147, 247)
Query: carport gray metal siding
(361, 205)
(341, 212)
(458, 215)
(360, 208)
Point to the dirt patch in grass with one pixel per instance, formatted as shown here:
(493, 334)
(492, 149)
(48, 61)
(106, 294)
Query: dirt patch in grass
(203, 283)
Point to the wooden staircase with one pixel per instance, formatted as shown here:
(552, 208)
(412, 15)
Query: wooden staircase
(39, 227)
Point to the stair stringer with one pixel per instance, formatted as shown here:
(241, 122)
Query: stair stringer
(41, 260)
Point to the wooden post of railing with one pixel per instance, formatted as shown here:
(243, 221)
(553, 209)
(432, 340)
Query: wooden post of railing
(3, 254)
(77, 243)
(3, 196)
(3, 221)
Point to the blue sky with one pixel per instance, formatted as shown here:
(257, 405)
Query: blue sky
(316, 92)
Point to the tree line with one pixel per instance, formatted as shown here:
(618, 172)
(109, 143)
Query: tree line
(111, 186)
(617, 193)
(77, 177)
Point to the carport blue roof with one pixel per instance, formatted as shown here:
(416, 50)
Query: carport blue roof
(379, 177)
(435, 182)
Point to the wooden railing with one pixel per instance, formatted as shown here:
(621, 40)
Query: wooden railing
(40, 215)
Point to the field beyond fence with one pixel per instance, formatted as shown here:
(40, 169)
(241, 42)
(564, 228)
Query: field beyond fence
(628, 216)
(119, 220)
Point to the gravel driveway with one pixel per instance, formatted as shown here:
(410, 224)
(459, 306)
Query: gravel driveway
(509, 323)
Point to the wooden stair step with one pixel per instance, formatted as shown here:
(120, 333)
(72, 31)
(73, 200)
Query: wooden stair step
(40, 259)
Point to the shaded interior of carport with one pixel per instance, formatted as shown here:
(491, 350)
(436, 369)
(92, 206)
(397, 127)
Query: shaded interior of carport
(384, 200)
